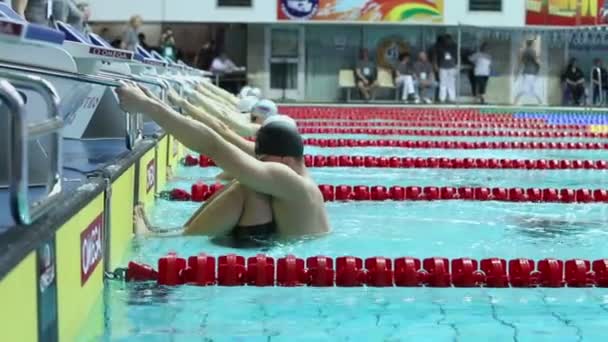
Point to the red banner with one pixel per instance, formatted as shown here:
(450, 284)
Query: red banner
(565, 12)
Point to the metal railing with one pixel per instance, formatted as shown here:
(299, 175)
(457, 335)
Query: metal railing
(134, 124)
(19, 136)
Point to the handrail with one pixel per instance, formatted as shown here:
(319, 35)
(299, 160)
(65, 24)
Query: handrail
(20, 135)
(134, 130)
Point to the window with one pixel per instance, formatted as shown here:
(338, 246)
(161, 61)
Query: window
(485, 5)
(234, 3)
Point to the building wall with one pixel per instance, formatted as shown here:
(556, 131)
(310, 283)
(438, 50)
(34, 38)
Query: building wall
(183, 11)
(513, 14)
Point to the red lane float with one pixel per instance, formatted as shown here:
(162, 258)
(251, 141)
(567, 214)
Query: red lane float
(443, 124)
(351, 271)
(467, 145)
(453, 133)
(442, 163)
(433, 193)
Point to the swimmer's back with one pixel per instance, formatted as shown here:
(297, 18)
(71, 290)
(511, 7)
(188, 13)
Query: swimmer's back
(302, 214)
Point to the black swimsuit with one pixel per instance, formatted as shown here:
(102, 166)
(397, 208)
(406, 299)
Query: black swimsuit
(248, 236)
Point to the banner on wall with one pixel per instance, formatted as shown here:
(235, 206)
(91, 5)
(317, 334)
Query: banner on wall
(411, 11)
(566, 12)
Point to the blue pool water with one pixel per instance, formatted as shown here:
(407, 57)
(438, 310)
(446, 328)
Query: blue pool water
(146, 312)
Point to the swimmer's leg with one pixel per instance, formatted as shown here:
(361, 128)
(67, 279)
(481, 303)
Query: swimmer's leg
(236, 205)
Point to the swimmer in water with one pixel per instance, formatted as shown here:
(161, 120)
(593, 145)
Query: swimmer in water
(544, 227)
(273, 193)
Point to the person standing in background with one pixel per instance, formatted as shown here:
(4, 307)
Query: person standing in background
(83, 25)
(167, 45)
(599, 80)
(482, 62)
(530, 65)
(34, 11)
(130, 38)
(446, 63)
(204, 57)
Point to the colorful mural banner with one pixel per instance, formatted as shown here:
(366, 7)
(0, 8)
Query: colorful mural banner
(566, 12)
(413, 11)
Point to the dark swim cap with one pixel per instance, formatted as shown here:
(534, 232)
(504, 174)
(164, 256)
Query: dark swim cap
(279, 138)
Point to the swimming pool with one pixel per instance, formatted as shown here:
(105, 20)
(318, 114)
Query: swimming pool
(452, 229)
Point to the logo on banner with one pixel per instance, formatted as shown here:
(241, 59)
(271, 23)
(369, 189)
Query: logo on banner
(150, 175)
(388, 52)
(300, 9)
(46, 267)
(91, 250)
(119, 54)
(47, 292)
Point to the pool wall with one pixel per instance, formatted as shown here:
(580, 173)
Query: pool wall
(51, 273)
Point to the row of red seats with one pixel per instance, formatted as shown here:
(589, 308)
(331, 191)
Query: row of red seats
(432, 193)
(453, 133)
(349, 271)
(440, 124)
(456, 144)
(416, 118)
(201, 192)
(431, 162)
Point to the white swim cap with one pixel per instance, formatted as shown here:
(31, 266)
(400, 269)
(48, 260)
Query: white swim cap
(246, 104)
(255, 92)
(282, 118)
(244, 92)
(264, 108)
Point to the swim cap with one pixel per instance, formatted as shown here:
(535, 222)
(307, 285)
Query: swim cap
(264, 108)
(244, 92)
(279, 138)
(281, 118)
(255, 92)
(246, 104)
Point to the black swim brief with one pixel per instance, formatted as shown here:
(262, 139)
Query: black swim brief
(255, 236)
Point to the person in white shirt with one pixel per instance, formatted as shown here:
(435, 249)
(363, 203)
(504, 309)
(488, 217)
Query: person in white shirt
(483, 63)
(222, 64)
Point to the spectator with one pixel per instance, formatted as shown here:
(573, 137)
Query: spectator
(83, 26)
(600, 83)
(469, 66)
(167, 45)
(141, 37)
(425, 78)
(575, 81)
(446, 63)
(483, 64)
(130, 38)
(105, 34)
(366, 75)
(34, 11)
(204, 57)
(405, 78)
(530, 65)
(222, 64)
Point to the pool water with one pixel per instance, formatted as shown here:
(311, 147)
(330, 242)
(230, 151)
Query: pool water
(147, 312)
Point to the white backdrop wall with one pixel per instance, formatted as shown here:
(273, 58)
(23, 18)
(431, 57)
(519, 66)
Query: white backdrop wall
(513, 14)
(263, 11)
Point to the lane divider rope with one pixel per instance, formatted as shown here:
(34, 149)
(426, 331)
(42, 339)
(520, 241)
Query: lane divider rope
(521, 145)
(430, 162)
(351, 271)
(453, 133)
(441, 124)
(200, 192)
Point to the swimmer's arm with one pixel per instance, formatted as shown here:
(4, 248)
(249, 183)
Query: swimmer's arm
(243, 129)
(222, 93)
(273, 179)
(206, 92)
(218, 126)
